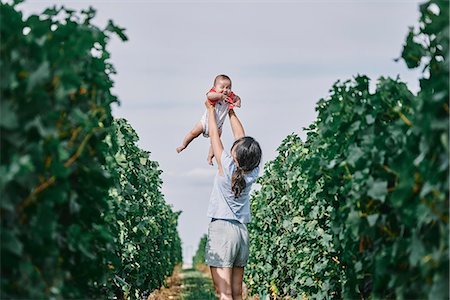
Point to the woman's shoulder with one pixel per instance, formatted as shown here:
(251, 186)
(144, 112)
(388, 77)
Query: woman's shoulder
(227, 163)
(226, 158)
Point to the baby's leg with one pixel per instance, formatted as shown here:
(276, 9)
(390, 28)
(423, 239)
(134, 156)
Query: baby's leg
(211, 153)
(195, 132)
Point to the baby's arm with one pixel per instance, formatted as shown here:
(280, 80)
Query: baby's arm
(234, 101)
(213, 97)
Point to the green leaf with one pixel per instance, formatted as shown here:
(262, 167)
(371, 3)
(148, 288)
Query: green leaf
(51, 11)
(417, 251)
(370, 119)
(439, 289)
(377, 189)
(11, 243)
(116, 29)
(372, 219)
(297, 220)
(143, 160)
(8, 116)
(354, 127)
(412, 52)
(354, 155)
(39, 76)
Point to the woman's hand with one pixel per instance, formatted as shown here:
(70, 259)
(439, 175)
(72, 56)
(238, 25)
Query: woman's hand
(208, 105)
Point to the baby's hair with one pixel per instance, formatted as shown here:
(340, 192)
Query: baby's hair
(221, 76)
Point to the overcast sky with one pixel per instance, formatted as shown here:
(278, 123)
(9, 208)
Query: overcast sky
(282, 57)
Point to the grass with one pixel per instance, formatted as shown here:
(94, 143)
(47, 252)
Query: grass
(196, 285)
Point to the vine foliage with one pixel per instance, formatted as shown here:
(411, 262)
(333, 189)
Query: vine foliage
(82, 215)
(360, 209)
(199, 256)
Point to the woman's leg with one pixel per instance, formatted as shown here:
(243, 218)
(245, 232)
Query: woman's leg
(195, 132)
(222, 278)
(236, 282)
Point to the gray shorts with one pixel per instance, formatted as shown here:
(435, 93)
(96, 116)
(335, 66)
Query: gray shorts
(227, 245)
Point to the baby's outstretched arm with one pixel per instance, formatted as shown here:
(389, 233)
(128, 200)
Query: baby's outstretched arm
(213, 97)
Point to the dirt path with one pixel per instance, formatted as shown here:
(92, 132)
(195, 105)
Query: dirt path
(186, 284)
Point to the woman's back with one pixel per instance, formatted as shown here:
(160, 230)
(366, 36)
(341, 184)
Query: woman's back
(223, 203)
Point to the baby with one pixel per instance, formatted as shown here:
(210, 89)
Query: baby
(223, 99)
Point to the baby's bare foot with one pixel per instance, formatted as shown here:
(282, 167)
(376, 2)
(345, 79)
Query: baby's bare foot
(181, 148)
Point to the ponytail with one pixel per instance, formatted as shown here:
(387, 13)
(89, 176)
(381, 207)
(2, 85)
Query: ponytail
(248, 156)
(237, 181)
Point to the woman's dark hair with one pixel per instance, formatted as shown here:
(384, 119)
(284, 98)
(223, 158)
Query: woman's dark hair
(248, 156)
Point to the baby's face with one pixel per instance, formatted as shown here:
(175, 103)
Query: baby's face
(223, 86)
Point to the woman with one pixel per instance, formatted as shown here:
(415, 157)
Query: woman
(227, 248)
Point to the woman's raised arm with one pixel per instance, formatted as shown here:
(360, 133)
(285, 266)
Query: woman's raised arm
(236, 125)
(216, 143)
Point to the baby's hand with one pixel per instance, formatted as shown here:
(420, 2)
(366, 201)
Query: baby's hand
(237, 101)
(225, 97)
